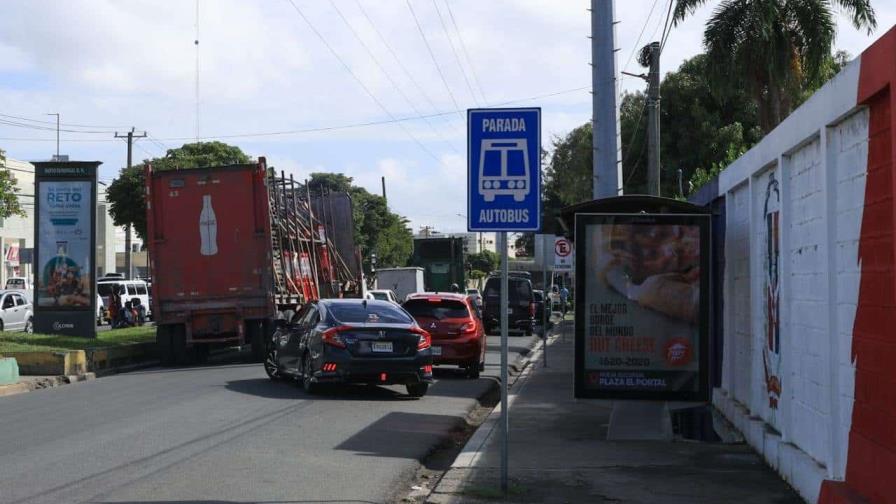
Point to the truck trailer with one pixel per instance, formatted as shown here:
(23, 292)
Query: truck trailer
(231, 249)
(442, 260)
(401, 281)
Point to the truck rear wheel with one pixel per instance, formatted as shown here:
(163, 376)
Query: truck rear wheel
(255, 333)
(179, 344)
(163, 345)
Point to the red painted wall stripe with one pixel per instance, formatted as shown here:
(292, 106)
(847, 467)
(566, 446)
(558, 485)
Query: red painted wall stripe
(871, 459)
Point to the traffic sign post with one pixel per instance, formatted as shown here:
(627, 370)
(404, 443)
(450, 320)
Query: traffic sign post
(504, 194)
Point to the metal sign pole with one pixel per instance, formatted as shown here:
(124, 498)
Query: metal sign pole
(505, 422)
(546, 297)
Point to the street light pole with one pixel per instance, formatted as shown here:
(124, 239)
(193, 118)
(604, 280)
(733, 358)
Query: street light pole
(57, 133)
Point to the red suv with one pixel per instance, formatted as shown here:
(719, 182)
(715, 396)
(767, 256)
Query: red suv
(453, 321)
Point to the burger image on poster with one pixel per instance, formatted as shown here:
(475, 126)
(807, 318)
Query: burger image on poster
(655, 266)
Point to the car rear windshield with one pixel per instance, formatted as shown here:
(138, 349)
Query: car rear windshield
(358, 313)
(380, 295)
(438, 310)
(106, 289)
(520, 289)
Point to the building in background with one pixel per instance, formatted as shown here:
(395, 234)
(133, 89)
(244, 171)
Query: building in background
(17, 232)
(105, 236)
(138, 255)
(473, 242)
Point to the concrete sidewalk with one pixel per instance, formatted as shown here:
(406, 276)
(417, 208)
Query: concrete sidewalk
(559, 453)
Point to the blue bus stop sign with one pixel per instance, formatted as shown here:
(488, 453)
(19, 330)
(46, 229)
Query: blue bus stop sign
(504, 169)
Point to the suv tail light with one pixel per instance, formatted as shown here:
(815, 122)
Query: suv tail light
(424, 341)
(331, 336)
(532, 309)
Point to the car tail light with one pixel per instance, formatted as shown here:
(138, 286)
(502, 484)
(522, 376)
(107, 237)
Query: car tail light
(329, 367)
(427, 369)
(425, 340)
(331, 336)
(469, 327)
(532, 309)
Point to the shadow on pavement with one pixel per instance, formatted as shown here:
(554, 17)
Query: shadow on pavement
(345, 501)
(403, 435)
(289, 389)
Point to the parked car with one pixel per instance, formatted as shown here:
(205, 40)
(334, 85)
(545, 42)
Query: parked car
(127, 289)
(19, 283)
(453, 321)
(16, 313)
(351, 341)
(383, 295)
(475, 296)
(520, 305)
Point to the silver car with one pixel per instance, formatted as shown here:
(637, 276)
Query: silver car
(16, 313)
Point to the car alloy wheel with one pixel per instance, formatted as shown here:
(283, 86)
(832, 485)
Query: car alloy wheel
(309, 386)
(270, 365)
(29, 327)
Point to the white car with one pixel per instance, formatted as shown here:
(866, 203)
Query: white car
(382, 295)
(128, 290)
(18, 283)
(16, 312)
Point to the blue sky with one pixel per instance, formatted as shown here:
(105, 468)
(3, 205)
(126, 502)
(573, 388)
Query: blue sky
(109, 65)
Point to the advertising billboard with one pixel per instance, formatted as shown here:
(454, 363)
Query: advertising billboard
(642, 306)
(65, 251)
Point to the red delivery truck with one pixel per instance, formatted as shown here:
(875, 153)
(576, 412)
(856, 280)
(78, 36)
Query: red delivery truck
(232, 248)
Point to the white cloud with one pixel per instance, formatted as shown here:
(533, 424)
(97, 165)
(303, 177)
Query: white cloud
(262, 69)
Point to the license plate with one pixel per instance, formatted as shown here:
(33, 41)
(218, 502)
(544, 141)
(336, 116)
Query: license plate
(381, 346)
(437, 350)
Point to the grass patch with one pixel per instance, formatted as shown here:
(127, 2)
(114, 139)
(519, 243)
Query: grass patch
(21, 342)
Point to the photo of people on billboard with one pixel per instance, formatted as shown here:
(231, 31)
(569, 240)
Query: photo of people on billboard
(64, 269)
(642, 319)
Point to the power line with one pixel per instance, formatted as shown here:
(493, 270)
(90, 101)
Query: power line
(640, 35)
(432, 56)
(379, 65)
(360, 82)
(667, 28)
(407, 72)
(321, 129)
(463, 47)
(48, 128)
(463, 71)
(53, 123)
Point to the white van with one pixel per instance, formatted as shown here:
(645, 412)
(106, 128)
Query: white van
(127, 289)
(18, 283)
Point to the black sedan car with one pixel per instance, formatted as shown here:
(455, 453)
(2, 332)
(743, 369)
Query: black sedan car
(351, 341)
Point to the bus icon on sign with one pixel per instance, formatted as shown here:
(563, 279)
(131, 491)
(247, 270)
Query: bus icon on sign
(504, 169)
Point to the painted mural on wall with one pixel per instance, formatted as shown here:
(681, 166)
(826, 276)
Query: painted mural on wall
(771, 242)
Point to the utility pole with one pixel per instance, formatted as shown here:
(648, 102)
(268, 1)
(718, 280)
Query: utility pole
(57, 133)
(653, 121)
(606, 167)
(384, 189)
(127, 230)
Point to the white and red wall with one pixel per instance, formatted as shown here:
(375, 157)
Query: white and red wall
(809, 359)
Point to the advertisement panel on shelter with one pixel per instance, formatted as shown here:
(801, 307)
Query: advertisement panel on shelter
(64, 262)
(65, 300)
(642, 321)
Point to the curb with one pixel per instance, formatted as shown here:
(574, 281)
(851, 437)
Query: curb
(17, 388)
(68, 362)
(473, 449)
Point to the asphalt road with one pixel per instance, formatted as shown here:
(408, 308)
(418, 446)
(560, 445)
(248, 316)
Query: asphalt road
(224, 434)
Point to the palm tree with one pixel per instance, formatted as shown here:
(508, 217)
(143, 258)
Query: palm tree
(773, 48)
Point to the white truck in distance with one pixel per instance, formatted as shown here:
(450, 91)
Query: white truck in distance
(401, 281)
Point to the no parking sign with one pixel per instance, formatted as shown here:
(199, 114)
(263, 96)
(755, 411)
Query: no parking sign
(563, 254)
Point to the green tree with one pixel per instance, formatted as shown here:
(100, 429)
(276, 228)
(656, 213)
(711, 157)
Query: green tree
(126, 193)
(775, 49)
(485, 261)
(377, 230)
(9, 189)
(524, 245)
